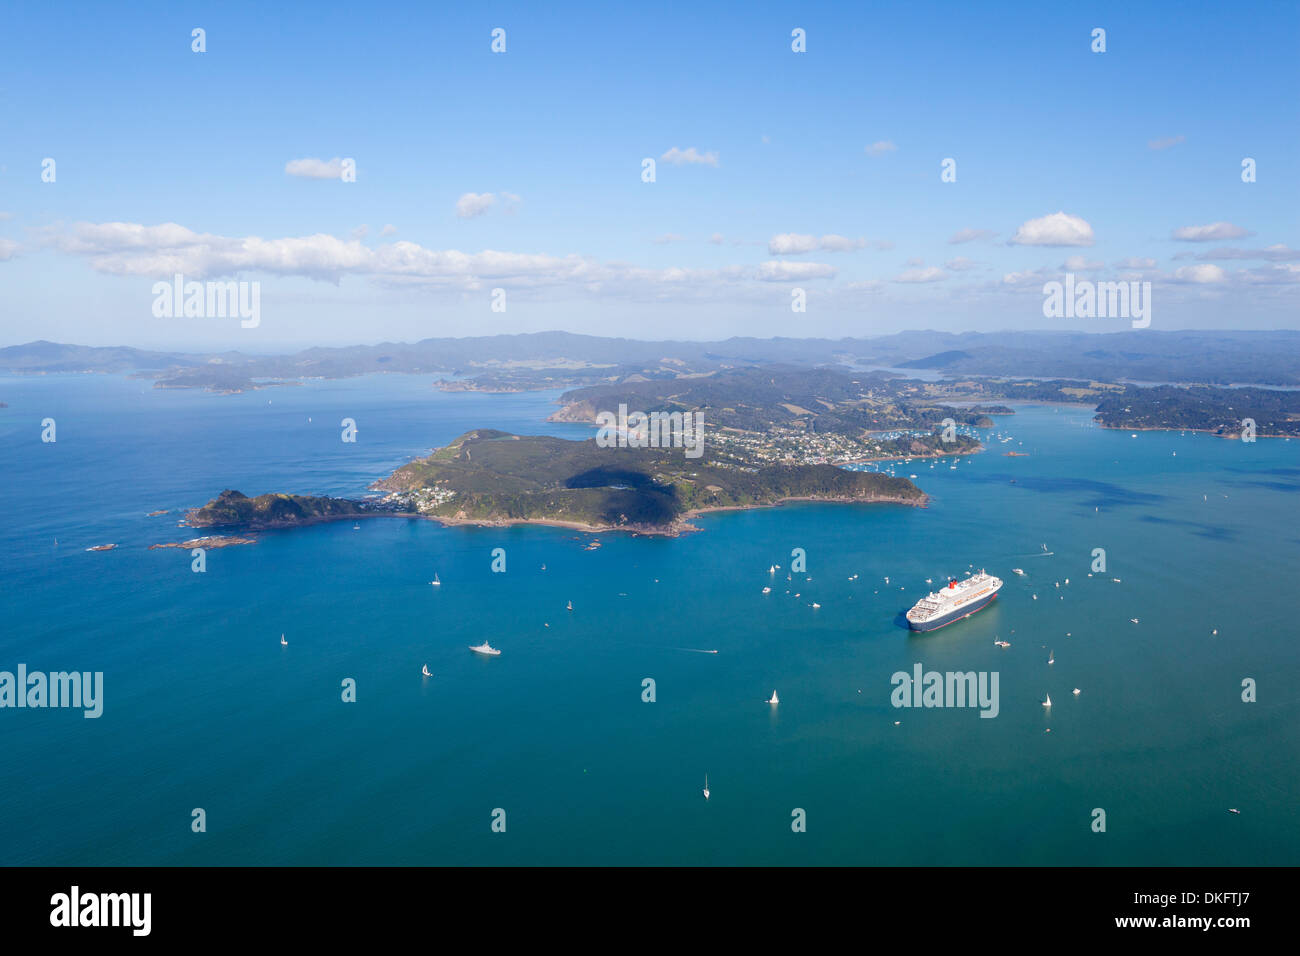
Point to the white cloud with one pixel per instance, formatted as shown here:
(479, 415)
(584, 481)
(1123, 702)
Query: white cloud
(474, 204)
(960, 264)
(1215, 230)
(1200, 274)
(1165, 143)
(932, 274)
(689, 157)
(1275, 253)
(970, 235)
(716, 238)
(6, 216)
(669, 237)
(1032, 278)
(1272, 274)
(315, 168)
(1058, 229)
(880, 147)
(779, 270)
(388, 230)
(361, 231)
(793, 244)
(8, 249)
(1133, 262)
(833, 243)
(158, 252)
(1081, 264)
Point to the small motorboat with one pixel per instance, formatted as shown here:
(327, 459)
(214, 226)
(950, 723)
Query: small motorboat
(767, 590)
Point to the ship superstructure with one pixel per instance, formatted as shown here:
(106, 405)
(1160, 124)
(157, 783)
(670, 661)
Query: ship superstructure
(958, 600)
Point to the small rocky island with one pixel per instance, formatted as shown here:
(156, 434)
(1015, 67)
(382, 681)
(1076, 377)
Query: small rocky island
(492, 477)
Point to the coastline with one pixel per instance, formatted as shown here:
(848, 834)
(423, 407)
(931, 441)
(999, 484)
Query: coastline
(1228, 436)
(680, 525)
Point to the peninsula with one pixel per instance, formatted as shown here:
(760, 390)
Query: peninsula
(492, 477)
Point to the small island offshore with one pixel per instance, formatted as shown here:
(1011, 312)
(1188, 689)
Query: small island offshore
(491, 477)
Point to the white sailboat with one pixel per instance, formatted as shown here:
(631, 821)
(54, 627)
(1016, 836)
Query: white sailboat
(425, 671)
(435, 582)
(1048, 701)
(774, 699)
(569, 606)
(706, 786)
(283, 642)
(1051, 657)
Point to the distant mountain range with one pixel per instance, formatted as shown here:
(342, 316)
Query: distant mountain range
(553, 359)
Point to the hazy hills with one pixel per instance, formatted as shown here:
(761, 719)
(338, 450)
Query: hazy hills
(1220, 357)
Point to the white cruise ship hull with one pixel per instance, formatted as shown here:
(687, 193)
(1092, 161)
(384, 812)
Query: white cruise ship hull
(955, 615)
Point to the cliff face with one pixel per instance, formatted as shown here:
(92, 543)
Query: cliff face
(233, 509)
(581, 411)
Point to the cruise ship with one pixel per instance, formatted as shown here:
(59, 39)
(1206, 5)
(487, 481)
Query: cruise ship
(958, 600)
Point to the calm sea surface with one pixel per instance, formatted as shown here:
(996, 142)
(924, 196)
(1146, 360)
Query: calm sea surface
(204, 709)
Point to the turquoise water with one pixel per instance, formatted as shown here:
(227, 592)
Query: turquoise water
(204, 708)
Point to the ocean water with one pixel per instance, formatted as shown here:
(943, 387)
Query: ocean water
(204, 709)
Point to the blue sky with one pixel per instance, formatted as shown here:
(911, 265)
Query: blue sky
(170, 160)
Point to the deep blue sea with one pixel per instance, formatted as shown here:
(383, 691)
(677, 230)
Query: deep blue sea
(203, 708)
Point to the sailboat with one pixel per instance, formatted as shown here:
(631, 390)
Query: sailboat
(569, 606)
(1051, 657)
(435, 582)
(425, 671)
(283, 642)
(1048, 701)
(706, 786)
(774, 699)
